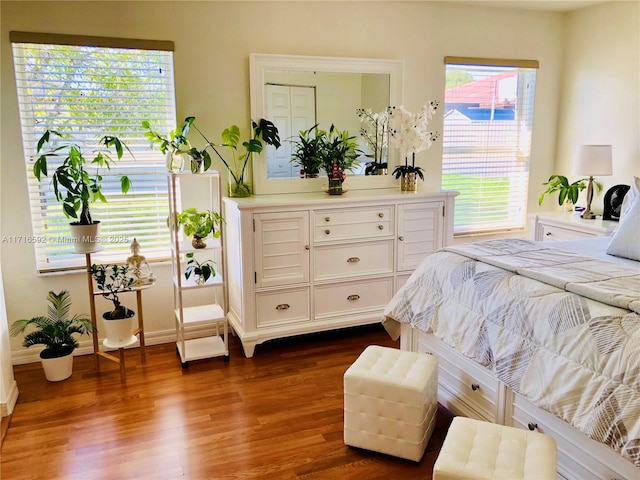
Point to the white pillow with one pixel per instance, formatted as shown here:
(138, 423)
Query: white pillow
(631, 195)
(625, 241)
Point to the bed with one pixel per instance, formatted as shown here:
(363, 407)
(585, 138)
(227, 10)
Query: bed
(539, 337)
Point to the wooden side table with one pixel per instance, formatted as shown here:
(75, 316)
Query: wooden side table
(138, 332)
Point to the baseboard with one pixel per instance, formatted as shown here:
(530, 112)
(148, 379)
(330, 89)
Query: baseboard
(32, 355)
(6, 408)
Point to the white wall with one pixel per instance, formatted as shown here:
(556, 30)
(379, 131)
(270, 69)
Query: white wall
(600, 96)
(213, 41)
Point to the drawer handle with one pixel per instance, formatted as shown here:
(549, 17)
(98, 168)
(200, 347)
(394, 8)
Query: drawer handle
(353, 298)
(532, 426)
(380, 227)
(548, 234)
(401, 238)
(282, 306)
(381, 215)
(353, 260)
(306, 247)
(475, 386)
(327, 232)
(327, 219)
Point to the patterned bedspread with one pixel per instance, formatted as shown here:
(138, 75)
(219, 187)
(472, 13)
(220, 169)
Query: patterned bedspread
(560, 329)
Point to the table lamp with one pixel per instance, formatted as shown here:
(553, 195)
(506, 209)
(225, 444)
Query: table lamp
(592, 160)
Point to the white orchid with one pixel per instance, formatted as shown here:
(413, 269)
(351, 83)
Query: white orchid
(375, 132)
(410, 132)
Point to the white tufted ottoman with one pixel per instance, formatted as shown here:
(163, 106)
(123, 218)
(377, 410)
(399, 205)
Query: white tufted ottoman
(390, 401)
(481, 450)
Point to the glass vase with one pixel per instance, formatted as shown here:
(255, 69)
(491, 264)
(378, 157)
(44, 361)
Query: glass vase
(174, 162)
(335, 187)
(238, 187)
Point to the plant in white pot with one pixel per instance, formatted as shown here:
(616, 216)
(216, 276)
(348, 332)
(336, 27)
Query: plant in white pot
(74, 186)
(111, 280)
(55, 331)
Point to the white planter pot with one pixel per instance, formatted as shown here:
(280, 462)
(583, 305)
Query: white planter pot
(119, 333)
(57, 369)
(85, 237)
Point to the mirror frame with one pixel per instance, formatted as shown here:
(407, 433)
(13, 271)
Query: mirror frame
(260, 63)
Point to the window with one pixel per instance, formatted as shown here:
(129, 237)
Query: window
(70, 85)
(487, 141)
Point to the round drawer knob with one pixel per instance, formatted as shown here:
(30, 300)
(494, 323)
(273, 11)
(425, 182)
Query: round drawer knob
(306, 247)
(401, 238)
(532, 426)
(327, 219)
(381, 215)
(548, 234)
(475, 386)
(380, 227)
(327, 232)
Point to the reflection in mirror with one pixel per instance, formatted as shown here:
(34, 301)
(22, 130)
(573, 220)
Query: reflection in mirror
(297, 92)
(296, 101)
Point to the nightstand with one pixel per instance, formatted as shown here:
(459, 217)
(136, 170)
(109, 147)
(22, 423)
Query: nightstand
(554, 226)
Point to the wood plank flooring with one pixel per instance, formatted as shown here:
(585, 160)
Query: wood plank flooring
(275, 416)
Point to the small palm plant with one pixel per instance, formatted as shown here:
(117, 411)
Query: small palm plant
(54, 331)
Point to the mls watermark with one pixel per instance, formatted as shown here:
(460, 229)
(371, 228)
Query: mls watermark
(65, 239)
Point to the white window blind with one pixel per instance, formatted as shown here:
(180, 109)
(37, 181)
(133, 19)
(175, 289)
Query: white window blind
(487, 141)
(88, 92)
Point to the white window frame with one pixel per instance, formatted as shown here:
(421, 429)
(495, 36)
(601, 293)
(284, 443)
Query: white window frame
(493, 151)
(120, 217)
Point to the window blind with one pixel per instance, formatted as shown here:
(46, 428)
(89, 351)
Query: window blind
(87, 92)
(488, 116)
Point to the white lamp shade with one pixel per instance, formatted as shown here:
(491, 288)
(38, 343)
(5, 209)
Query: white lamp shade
(593, 160)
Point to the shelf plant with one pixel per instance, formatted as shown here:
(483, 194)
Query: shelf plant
(201, 271)
(112, 280)
(307, 151)
(339, 154)
(55, 331)
(176, 143)
(199, 225)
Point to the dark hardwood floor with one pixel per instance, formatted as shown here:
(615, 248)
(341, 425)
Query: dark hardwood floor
(275, 416)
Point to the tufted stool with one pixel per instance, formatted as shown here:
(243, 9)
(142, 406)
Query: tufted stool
(390, 401)
(473, 450)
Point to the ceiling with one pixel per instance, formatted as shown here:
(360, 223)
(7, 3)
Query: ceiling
(549, 5)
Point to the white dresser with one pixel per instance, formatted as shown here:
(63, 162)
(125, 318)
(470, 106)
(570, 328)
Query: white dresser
(302, 263)
(555, 226)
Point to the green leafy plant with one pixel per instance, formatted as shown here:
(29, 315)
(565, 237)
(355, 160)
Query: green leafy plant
(263, 131)
(204, 269)
(308, 152)
(72, 183)
(112, 280)
(566, 191)
(176, 142)
(55, 330)
(199, 224)
(339, 151)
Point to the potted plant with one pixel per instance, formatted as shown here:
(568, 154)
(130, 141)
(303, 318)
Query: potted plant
(339, 155)
(199, 225)
(176, 147)
(263, 131)
(201, 271)
(111, 281)
(75, 187)
(567, 192)
(55, 331)
(375, 133)
(307, 152)
(411, 134)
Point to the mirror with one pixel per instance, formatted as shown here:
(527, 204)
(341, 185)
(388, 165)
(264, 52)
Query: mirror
(327, 90)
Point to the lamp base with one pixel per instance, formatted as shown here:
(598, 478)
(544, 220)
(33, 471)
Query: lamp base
(587, 215)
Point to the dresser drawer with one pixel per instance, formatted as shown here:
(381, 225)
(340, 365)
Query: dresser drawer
(344, 224)
(282, 307)
(336, 261)
(554, 233)
(352, 297)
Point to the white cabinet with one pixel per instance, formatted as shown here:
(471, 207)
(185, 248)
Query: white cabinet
(200, 308)
(305, 263)
(557, 226)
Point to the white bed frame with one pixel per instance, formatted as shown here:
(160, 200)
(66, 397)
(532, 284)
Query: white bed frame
(468, 389)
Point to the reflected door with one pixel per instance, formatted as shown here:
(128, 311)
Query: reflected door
(291, 109)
